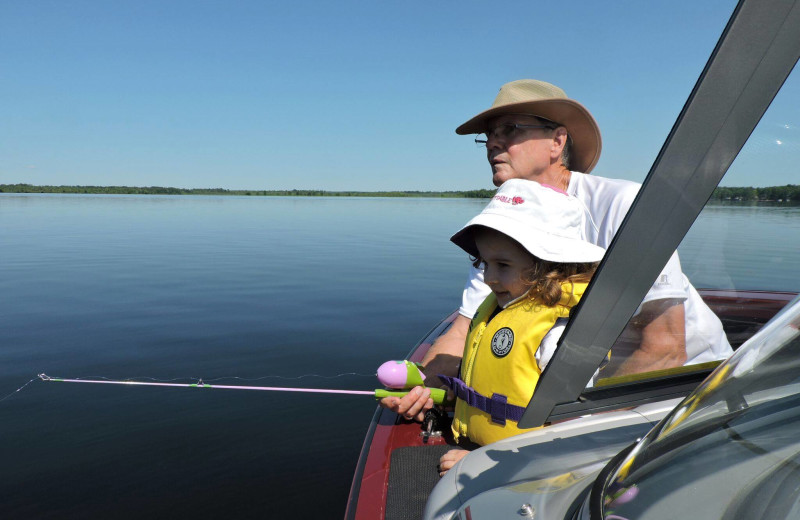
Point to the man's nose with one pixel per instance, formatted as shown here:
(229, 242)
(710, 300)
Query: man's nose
(493, 141)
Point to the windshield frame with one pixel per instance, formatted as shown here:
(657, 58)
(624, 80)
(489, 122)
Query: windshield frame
(755, 54)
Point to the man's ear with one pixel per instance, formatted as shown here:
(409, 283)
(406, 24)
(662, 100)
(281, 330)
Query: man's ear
(559, 142)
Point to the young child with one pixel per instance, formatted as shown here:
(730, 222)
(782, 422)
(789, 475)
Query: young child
(528, 240)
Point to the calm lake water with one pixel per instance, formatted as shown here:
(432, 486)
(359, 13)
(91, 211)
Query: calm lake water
(240, 290)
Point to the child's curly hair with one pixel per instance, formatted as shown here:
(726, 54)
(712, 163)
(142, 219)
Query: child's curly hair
(545, 278)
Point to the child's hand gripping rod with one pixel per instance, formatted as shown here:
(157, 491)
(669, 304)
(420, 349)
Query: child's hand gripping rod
(404, 375)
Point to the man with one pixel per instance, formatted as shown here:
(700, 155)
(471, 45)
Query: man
(534, 131)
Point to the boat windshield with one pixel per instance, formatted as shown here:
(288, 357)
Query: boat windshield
(735, 267)
(741, 422)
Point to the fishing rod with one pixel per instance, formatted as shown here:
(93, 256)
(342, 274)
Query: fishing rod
(398, 376)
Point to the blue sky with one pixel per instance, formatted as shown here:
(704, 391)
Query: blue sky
(349, 95)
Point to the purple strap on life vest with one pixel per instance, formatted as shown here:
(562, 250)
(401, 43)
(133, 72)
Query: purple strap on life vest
(497, 406)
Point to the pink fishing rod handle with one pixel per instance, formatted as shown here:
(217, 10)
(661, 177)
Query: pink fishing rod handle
(394, 374)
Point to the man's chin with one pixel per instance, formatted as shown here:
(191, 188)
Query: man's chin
(501, 175)
(498, 179)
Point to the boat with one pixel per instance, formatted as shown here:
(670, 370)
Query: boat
(562, 470)
(374, 495)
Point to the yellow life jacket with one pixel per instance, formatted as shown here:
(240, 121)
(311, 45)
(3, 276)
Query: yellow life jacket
(499, 359)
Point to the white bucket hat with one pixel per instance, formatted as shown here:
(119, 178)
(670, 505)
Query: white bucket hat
(545, 221)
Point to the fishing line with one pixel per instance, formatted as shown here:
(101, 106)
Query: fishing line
(191, 378)
(202, 384)
(399, 377)
(152, 381)
(293, 378)
(18, 389)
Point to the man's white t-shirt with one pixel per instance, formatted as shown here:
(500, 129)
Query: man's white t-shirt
(606, 202)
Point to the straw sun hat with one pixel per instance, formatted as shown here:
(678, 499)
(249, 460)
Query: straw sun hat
(538, 98)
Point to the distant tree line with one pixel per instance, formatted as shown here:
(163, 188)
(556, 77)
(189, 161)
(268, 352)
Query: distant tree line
(790, 192)
(155, 190)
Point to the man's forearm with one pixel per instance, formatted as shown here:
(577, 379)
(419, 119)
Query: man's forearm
(444, 356)
(648, 360)
(663, 343)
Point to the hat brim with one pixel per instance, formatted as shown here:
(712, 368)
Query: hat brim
(539, 243)
(581, 126)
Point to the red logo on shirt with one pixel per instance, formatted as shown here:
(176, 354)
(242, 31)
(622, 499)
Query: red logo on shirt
(509, 200)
